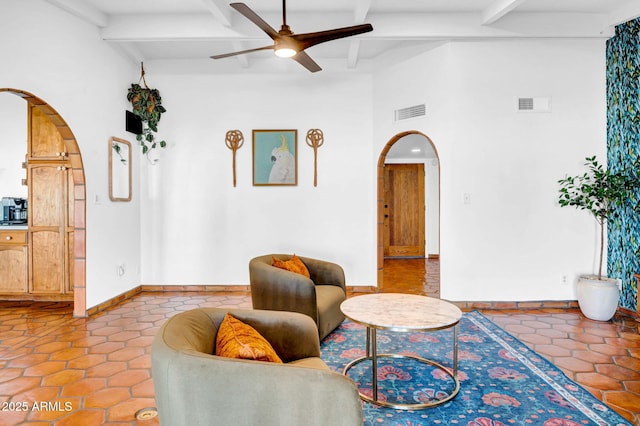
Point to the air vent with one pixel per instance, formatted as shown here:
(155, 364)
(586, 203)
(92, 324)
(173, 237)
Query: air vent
(525, 104)
(410, 112)
(534, 104)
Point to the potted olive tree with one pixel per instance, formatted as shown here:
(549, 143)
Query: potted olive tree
(599, 191)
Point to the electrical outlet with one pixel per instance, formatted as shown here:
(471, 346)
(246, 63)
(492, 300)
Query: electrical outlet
(564, 279)
(121, 270)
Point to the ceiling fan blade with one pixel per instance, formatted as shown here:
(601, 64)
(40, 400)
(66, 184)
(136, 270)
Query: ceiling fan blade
(253, 17)
(305, 60)
(226, 55)
(311, 39)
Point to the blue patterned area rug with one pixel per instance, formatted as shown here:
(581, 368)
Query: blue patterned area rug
(502, 382)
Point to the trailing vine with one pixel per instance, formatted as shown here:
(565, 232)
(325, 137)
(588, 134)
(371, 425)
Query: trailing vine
(147, 104)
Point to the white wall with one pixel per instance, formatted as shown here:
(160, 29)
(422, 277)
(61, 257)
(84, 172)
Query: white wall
(199, 229)
(56, 57)
(13, 145)
(512, 242)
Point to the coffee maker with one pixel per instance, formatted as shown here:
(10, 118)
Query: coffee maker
(14, 211)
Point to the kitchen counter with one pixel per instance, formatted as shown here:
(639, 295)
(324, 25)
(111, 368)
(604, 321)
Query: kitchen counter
(22, 227)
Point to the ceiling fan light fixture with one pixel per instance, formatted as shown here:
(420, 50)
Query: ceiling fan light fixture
(285, 52)
(283, 49)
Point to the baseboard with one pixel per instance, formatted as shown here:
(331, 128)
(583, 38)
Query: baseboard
(246, 290)
(242, 289)
(433, 256)
(114, 301)
(629, 313)
(539, 304)
(361, 289)
(542, 304)
(238, 289)
(30, 297)
(205, 288)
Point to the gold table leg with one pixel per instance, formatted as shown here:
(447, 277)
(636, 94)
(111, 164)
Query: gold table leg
(372, 354)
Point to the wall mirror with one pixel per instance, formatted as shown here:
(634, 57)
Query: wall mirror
(119, 169)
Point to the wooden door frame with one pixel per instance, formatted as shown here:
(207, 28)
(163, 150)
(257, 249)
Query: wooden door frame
(79, 201)
(380, 198)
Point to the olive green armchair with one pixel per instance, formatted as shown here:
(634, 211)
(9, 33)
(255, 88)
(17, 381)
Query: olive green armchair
(194, 387)
(318, 297)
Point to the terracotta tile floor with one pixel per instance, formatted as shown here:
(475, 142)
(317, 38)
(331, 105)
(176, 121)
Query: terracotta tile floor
(59, 370)
(604, 357)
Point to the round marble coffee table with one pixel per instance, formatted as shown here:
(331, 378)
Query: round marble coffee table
(402, 313)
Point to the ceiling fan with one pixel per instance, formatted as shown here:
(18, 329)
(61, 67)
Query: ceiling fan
(289, 45)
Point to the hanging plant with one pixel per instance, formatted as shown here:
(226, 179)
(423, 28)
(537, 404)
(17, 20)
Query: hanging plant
(147, 104)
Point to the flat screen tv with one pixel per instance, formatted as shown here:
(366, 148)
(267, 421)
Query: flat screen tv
(133, 123)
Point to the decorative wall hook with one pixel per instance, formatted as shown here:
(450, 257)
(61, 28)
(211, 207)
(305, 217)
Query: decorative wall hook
(234, 141)
(315, 139)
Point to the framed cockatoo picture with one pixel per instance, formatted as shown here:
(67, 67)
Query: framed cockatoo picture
(275, 157)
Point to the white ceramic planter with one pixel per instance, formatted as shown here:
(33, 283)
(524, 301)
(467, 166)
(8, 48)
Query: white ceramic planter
(598, 299)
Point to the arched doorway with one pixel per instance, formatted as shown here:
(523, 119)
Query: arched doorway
(382, 160)
(77, 197)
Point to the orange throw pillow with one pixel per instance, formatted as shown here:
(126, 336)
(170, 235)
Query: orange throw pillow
(294, 265)
(236, 339)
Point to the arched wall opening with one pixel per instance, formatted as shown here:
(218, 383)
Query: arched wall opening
(78, 250)
(381, 197)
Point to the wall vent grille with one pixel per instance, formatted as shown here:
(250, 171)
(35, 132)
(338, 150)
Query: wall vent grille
(410, 112)
(525, 104)
(534, 105)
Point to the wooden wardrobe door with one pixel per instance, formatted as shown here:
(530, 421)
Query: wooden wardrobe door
(47, 228)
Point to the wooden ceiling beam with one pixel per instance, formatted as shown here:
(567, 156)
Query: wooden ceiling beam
(361, 11)
(220, 10)
(497, 9)
(354, 51)
(627, 12)
(396, 26)
(83, 10)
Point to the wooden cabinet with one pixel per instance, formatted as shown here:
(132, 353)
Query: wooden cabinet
(36, 263)
(49, 233)
(48, 193)
(13, 261)
(45, 141)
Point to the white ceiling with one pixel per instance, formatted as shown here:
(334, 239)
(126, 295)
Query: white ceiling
(180, 35)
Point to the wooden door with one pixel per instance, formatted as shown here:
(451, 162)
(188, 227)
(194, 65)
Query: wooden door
(404, 210)
(47, 228)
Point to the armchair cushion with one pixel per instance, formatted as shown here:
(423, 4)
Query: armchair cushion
(294, 265)
(236, 339)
